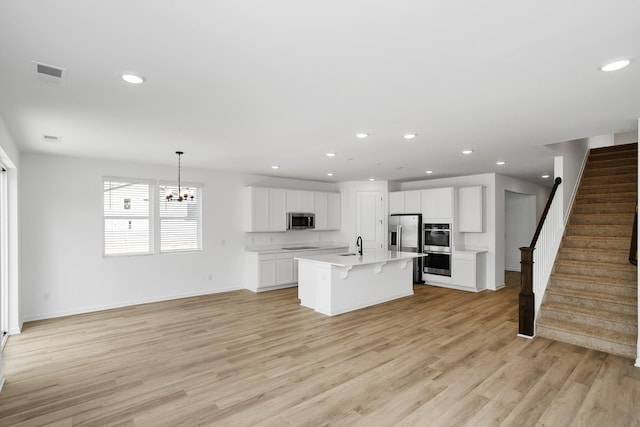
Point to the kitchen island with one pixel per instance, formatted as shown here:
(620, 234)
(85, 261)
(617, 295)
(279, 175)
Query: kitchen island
(337, 283)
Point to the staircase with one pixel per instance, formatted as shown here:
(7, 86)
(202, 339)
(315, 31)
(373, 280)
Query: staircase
(592, 295)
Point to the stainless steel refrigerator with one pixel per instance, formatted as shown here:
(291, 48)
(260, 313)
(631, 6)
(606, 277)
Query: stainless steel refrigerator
(405, 234)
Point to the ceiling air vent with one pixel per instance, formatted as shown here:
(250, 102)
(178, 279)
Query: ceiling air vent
(51, 138)
(50, 74)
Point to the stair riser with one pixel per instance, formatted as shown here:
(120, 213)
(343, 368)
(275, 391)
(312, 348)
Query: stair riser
(594, 272)
(613, 257)
(606, 198)
(600, 219)
(628, 208)
(624, 350)
(611, 169)
(624, 327)
(613, 244)
(629, 292)
(609, 179)
(630, 308)
(626, 187)
(630, 159)
(601, 231)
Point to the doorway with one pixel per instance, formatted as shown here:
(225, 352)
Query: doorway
(369, 224)
(520, 224)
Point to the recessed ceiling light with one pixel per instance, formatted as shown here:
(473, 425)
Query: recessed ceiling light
(275, 167)
(410, 135)
(329, 173)
(133, 79)
(362, 135)
(331, 154)
(428, 172)
(501, 162)
(545, 176)
(467, 152)
(372, 179)
(616, 65)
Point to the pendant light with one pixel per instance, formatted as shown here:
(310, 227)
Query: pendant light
(180, 195)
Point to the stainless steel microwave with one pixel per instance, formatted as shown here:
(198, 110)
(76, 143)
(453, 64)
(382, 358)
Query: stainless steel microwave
(301, 221)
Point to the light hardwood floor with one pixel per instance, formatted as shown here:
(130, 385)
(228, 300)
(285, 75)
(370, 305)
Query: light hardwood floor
(438, 358)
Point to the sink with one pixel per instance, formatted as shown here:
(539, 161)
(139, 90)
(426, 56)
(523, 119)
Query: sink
(297, 248)
(351, 254)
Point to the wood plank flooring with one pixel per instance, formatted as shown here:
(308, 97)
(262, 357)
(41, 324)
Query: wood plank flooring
(439, 358)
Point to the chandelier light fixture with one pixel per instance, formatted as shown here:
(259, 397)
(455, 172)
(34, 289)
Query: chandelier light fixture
(180, 194)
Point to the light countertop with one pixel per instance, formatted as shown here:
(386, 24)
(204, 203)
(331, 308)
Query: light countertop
(369, 257)
(299, 247)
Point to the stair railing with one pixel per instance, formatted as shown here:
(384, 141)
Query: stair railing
(536, 266)
(633, 248)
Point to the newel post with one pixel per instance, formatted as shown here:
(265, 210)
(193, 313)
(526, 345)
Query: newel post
(526, 302)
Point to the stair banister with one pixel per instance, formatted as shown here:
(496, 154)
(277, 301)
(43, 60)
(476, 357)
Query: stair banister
(526, 311)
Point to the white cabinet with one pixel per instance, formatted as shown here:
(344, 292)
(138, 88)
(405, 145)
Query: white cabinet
(470, 209)
(437, 204)
(468, 270)
(405, 202)
(327, 210)
(267, 270)
(300, 201)
(284, 267)
(265, 209)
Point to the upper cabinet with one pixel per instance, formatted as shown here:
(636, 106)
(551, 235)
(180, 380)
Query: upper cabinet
(405, 202)
(327, 210)
(470, 209)
(266, 209)
(437, 203)
(300, 201)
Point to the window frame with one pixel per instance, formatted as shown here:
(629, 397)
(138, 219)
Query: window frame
(198, 187)
(150, 217)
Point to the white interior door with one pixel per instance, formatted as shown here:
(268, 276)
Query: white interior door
(369, 219)
(4, 259)
(520, 224)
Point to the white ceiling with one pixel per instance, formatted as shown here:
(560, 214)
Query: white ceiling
(241, 85)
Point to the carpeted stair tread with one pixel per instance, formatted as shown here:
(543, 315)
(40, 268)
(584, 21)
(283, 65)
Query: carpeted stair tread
(621, 207)
(605, 197)
(593, 313)
(592, 295)
(615, 256)
(592, 337)
(589, 230)
(591, 172)
(601, 242)
(598, 219)
(604, 280)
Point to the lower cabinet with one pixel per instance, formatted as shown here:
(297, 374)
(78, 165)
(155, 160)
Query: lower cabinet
(468, 270)
(266, 272)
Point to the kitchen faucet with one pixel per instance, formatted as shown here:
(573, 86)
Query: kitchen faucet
(359, 245)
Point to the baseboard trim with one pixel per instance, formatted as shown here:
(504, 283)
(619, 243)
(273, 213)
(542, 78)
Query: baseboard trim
(526, 336)
(53, 315)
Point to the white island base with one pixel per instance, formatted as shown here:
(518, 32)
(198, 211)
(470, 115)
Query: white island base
(335, 284)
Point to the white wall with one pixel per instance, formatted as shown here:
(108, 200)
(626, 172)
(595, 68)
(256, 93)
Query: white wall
(64, 271)
(520, 225)
(569, 166)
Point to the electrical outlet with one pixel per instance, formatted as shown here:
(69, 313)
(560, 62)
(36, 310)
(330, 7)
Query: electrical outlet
(46, 297)
(210, 276)
(270, 239)
(222, 242)
(253, 241)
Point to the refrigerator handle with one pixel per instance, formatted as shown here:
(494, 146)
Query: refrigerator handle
(399, 238)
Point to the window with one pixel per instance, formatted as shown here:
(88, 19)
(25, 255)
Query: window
(127, 217)
(180, 222)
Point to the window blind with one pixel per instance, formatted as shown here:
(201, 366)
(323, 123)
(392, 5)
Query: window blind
(180, 222)
(127, 217)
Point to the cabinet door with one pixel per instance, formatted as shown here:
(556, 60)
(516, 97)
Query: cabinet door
(333, 211)
(463, 270)
(396, 202)
(285, 269)
(306, 202)
(321, 210)
(413, 202)
(267, 272)
(277, 210)
(257, 209)
(470, 209)
(437, 204)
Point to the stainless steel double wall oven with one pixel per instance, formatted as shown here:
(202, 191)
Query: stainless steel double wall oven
(437, 249)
